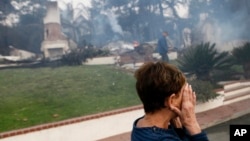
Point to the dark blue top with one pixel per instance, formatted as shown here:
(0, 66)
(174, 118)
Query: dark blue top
(158, 134)
(162, 45)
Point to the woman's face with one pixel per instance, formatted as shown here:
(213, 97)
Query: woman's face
(178, 99)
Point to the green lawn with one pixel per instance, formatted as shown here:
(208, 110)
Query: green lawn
(42, 95)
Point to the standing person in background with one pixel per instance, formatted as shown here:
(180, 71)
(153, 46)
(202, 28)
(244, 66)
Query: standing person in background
(169, 105)
(162, 47)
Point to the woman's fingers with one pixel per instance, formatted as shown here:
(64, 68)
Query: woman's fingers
(194, 98)
(176, 110)
(176, 122)
(185, 96)
(188, 94)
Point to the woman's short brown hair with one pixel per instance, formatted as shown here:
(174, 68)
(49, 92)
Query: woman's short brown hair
(156, 82)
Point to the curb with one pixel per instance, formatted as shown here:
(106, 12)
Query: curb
(234, 116)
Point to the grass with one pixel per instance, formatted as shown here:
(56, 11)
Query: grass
(35, 96)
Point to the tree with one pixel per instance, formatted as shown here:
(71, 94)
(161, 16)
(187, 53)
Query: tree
(5, 9)
(242, 57)
(145, 20)
(75, 22)
(27, 34)
(104, 25)
(203, 59)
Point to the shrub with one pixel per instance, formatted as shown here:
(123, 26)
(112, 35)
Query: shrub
(203, 59)
(203, 89)
(234, 73)
(79, 55)
(241, 55)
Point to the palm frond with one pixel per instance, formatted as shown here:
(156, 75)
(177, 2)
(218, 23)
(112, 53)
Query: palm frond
(202, 59)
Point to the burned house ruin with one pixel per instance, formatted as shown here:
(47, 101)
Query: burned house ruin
(55, 43)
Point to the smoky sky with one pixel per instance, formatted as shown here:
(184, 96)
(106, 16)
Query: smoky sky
(227, 23)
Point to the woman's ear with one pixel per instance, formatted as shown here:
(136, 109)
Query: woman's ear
(170, 101)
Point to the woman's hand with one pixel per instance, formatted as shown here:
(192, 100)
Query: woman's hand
(187, 112)
(176, 122)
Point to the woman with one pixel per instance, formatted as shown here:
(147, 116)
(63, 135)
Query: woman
(169, 105)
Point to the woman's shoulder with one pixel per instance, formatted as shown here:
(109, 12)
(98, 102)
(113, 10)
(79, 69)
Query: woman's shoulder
(152, 133)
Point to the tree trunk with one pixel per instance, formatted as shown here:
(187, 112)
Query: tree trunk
(161, 9)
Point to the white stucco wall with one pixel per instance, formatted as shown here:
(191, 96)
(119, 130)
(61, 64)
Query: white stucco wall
(211, 104)
(102, 60)
(171, 55)
(90, 130)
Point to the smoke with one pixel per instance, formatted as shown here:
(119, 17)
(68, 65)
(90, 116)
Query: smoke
(106, 28)
(114, 22)
(220, 28)
(227, 29)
